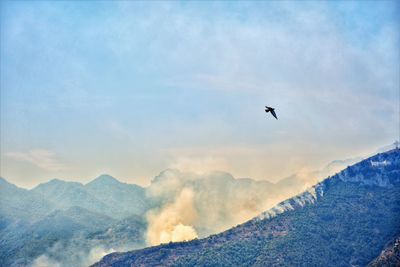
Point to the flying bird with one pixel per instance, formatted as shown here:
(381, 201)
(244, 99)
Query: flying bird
(272, 110)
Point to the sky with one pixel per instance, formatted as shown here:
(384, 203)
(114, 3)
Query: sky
(131, 88)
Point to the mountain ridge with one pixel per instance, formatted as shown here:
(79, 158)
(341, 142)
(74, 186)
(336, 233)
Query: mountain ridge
(26, 213)
(304, 219)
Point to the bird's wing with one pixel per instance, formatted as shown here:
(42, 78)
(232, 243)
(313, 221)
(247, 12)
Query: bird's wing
(274, 114)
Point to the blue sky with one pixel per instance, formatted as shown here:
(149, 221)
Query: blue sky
(131, 88)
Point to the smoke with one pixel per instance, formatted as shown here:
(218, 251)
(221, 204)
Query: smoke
(192, 205)
(307, 176)
(45, 261)
(96, 254)
(189, 205)
(80, 257)
(77, 252)
(173, 221)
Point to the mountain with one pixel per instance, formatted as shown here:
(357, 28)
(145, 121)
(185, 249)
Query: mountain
(21, 204)
(346, 220)
(104, 194)
(68, 194)
(67, 220)
(299, 180)
(85, 246)
(337, 165)
(68, 237)
(390, 255)
(122, 234)
(213, 202)
(86, 219)
(125, 199)
(22, 242)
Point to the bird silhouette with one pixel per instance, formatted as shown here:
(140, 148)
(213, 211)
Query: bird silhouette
(272, 110)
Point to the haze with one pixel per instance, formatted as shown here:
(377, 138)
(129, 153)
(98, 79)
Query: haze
(133, 88)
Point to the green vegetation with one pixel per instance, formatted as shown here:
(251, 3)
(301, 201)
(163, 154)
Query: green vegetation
(348, 225)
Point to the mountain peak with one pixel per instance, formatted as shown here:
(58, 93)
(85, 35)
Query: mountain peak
(104, 179)
(58, 182)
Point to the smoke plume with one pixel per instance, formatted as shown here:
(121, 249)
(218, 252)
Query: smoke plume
(190, 205)
(173, 222)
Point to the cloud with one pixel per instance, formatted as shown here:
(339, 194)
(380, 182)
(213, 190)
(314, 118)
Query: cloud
(41, 158)
(330, 70)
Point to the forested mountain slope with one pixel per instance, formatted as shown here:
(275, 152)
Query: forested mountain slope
(346, 220)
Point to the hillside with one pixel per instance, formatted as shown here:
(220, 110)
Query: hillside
(67, 220)
(21, 204)
(345, 220)
(124, 199)
(104, 194)
(389, 257)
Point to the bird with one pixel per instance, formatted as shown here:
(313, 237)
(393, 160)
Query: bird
(272, 110)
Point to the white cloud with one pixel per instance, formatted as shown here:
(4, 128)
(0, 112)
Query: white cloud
(41, 158)
(330, 70)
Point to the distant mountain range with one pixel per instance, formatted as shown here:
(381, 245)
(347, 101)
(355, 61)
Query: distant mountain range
(104, 194)
(66, 219)
(72, 224)
(345, 220)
